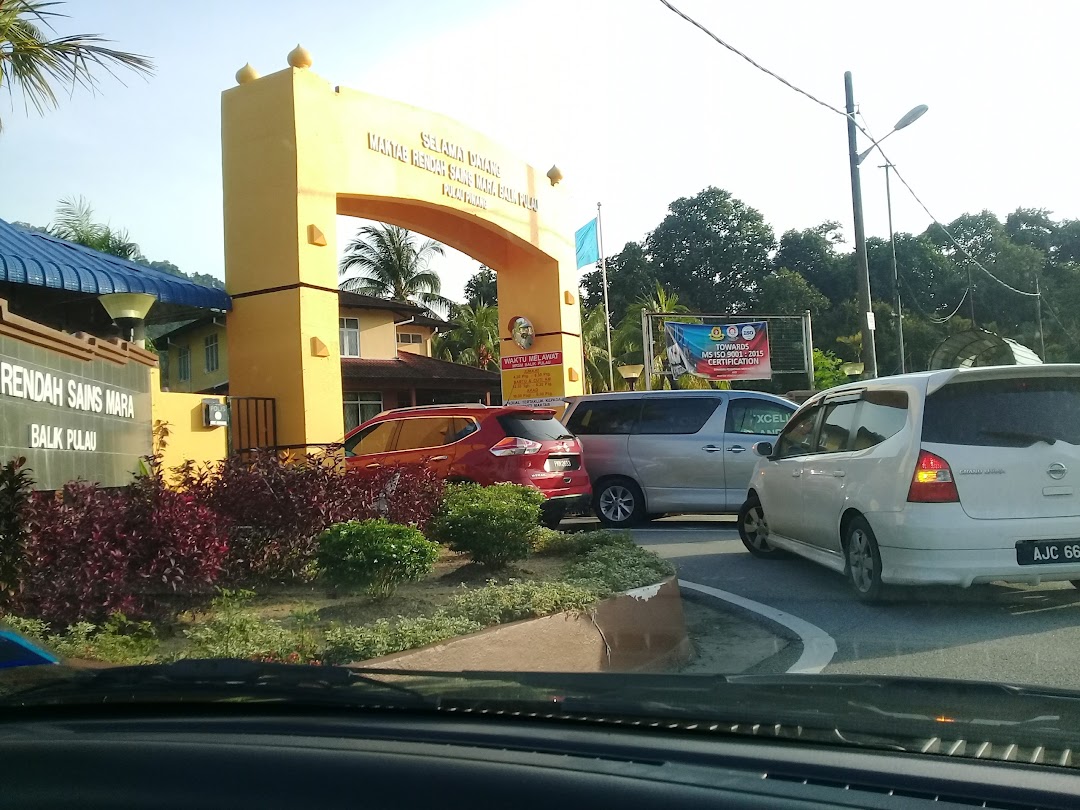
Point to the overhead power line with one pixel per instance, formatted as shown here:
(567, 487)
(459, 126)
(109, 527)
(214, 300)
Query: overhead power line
(862, 129)
(760, 67)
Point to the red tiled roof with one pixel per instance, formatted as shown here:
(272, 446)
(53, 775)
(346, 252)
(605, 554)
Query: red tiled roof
(415, 368)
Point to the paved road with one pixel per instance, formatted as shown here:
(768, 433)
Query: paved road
(998, 632)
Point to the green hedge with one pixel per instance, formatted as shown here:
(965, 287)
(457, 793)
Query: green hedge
(493, 525)
(374, 555)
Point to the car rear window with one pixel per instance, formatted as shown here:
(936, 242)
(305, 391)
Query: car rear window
(1014, 412)
(534, 428)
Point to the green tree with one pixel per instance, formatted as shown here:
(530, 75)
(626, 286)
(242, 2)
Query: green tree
(713, 250)
(594, 345)
(812, 254)
(482, 288)
(629, 272)
(36, 62)
(75, 222)
(473, 339)
(386, 261)
(828, 371)
(785, 292)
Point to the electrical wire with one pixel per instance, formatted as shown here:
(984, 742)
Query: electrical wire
(861, 127)
(760, 67)
(932, 318)
(945, 230)
(1064, 328)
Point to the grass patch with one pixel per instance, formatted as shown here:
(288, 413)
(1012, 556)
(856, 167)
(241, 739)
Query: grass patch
(611, 569)
(302, 624)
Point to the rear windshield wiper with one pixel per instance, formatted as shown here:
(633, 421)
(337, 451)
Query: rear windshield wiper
(1021, 435)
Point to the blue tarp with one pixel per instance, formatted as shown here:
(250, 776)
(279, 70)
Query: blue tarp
(33, 258)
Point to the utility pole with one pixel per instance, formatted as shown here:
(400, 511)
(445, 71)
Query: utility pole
(1038, 318)
(895, 274)
(607, 307)
(866, 314)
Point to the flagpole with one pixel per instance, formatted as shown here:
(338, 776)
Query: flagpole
(607, 308)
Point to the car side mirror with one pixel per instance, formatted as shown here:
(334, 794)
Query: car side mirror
(763, 449)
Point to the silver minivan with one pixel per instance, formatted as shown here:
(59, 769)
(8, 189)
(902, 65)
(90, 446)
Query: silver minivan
(651, 453)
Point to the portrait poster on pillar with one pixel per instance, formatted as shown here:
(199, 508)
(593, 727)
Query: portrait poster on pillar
(731, 351)
(532, 379)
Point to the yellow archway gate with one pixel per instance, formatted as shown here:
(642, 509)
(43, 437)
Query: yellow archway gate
(296, 152)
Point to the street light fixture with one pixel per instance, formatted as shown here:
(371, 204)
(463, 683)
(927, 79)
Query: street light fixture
(909, 118)
(128, 311)
(631, 374)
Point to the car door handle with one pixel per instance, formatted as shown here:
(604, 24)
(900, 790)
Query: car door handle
(373, 465)
(712, 448)
(796, 473)
(438, 458)
(736, 449)
(838, 473)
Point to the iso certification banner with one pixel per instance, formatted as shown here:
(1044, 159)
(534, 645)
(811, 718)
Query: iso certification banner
(731, 351)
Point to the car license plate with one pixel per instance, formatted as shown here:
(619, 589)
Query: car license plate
(1048, 552)
(561, 464)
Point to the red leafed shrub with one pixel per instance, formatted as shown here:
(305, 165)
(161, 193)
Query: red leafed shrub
(274, 508)
(143, 550)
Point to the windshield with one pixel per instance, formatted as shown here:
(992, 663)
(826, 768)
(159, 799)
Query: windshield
(811, 338)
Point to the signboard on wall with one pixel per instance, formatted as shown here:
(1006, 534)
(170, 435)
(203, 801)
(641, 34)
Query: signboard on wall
(729, 351)
(72, 418)
(529, 378)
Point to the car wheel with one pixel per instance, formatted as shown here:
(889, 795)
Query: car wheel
(863, 560)
(754, 530)
(620, 504)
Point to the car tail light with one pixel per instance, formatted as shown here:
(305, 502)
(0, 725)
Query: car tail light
(932, 481)
(514, 446)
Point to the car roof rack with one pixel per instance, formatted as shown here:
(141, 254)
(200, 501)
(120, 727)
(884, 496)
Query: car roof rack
(469, 405)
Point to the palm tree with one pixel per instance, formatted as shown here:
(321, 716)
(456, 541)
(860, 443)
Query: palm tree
(33, 60)
(594, 345)
(474, 338)
(392, 265)
(75, 223)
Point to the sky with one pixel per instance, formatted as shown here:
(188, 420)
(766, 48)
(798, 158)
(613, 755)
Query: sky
(636, 106)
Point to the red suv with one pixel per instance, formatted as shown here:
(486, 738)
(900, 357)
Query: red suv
(481, 444)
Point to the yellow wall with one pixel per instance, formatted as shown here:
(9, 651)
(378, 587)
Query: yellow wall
(201, 379)
(296, 152)
(425, 333)
(187, 439)
(377, 338)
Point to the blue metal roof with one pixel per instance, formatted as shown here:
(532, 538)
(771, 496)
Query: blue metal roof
(27, 257)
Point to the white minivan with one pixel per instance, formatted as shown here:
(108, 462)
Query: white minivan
(955, 477)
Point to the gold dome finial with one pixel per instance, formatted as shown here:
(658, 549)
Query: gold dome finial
(299, 57)
(246, 74)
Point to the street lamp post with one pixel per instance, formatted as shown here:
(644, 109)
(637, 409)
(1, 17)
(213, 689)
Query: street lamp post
(869, 350)
(866, 314)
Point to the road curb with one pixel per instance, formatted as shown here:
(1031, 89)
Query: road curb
(818, 647)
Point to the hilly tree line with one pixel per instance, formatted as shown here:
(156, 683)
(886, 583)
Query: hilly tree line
(713, 253)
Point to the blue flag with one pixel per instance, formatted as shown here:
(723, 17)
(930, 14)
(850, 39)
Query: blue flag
(588, 248)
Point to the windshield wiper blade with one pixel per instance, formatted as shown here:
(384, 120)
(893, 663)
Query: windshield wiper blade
(217, 678)
(1021, 435)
